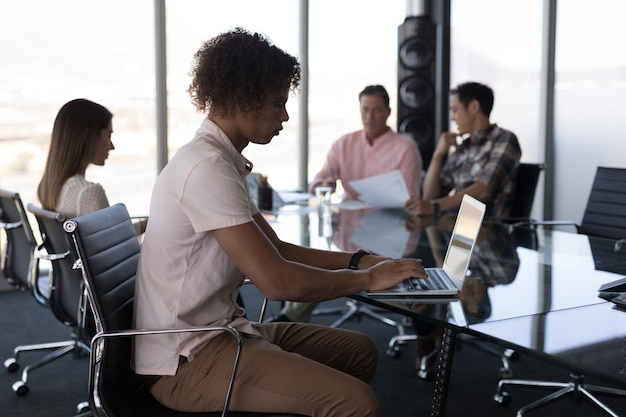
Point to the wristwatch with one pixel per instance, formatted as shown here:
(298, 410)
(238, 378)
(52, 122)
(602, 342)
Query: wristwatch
(435, 206)
(354, 261)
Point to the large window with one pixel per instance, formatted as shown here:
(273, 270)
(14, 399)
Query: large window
(191, 22)
(53, 52)
(352, 43)
(589, 95)
(105, 51)
(498, 43)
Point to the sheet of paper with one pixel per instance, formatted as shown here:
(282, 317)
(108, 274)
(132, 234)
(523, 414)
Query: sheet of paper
(352, 205)
(386, 190)
(293, 196)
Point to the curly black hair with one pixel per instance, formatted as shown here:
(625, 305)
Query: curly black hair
(238, 71)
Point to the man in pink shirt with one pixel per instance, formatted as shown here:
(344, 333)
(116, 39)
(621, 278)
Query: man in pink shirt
(373, 150)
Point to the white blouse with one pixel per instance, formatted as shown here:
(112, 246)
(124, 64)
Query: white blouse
(79, 196)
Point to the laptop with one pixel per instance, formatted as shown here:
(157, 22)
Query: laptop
(446, 281)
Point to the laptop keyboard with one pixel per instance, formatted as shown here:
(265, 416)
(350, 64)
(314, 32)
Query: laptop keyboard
(433, 282)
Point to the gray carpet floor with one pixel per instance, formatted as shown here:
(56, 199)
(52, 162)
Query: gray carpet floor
(57, 388)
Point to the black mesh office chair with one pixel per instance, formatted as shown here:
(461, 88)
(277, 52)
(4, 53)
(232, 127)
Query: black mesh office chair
(604, 216)
(21, 267)
(525, 190)
(108, 250)
(18, 262)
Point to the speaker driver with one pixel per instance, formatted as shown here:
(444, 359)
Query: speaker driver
(416, 53)
(416, 92)
(418, 127)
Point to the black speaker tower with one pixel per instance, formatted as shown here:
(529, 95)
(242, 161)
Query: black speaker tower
(417, 65)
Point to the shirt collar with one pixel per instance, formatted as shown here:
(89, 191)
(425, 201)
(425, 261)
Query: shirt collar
(482, 135)
(377, 139)
(244, 166)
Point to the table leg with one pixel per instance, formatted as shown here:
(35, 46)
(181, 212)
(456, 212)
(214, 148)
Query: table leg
(443, 373)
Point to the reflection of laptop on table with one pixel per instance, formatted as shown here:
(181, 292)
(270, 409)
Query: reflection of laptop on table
(448, 280)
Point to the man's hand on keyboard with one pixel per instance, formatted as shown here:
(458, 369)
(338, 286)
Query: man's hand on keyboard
(389, 273)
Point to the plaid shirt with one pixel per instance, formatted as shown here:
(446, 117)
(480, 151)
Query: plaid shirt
(492, 156)
(495, 260)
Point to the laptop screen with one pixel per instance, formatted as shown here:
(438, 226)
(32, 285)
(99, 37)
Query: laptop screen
(464, 235)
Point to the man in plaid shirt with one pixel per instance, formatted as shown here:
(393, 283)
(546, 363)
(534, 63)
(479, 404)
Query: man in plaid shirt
(483, 165)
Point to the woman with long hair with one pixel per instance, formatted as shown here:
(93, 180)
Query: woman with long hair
(81, 136)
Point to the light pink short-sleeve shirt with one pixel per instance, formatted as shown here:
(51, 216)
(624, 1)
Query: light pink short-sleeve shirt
(184, 277)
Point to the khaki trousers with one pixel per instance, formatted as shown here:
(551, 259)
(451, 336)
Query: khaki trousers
(298, 368)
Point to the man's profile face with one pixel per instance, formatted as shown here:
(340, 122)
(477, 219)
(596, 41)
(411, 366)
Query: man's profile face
(460, 115)
(374, 115)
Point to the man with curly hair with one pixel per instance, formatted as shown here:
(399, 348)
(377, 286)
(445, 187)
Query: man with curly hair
(206, 234)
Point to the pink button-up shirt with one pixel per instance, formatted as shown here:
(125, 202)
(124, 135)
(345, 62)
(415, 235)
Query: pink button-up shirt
(353, 158)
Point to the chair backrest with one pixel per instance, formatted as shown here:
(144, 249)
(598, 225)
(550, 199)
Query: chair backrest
(108, 251)
(65, 289)
(605, 214)
(18, 260)
(524, 196)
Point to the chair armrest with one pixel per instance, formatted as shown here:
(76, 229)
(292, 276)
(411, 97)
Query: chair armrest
(139, 223)
(41, 253)
(554, 223)
(247, 281)
(95, 356)
(142, 332)
(8, 226)
(535, 223)
(35, 273)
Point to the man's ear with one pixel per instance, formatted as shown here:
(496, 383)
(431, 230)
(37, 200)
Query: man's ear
(473, 107)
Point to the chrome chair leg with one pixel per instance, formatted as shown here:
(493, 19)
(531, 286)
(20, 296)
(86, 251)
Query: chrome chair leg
(356, 308)
(575, 386)
(61, 348)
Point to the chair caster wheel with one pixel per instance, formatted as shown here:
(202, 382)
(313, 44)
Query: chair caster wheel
(20, 388)
(82, 407)
(11, 365)
(504, 399)
(506, 373)
(394, 352)
(425, 374)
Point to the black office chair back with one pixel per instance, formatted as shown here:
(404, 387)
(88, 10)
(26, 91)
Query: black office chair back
(65, 289)
(524, 196)
(108, 249)
(605, 214)
(18, 261)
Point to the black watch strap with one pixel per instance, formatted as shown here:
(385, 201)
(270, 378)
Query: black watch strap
(356, 257)
(436, 209)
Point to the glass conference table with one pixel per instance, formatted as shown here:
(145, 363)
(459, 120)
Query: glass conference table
(529, 289)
